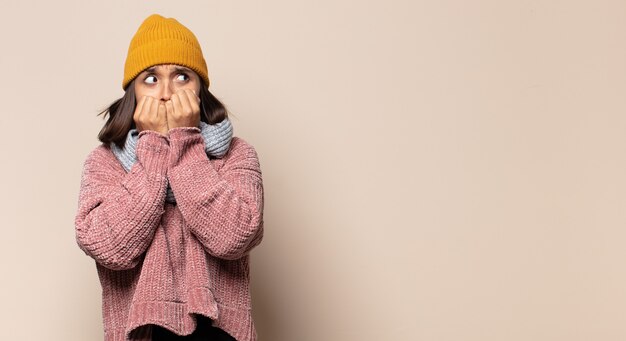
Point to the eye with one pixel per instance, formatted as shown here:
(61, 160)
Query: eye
(148, 77)
(184, 75)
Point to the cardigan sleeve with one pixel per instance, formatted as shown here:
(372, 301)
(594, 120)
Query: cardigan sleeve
(222, 208)
(118, 212)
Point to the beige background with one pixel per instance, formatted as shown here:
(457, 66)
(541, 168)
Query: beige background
(434, 170)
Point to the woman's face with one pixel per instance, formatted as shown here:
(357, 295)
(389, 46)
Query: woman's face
(163, 80)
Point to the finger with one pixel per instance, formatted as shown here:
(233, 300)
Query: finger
(194, 101)
(169, 109)
(144, 114)
(145, 109)
(139, 107)
(185, 102)
(178, 108)
(162, 115)
(154, 110)
(195, 95)
(161, 112)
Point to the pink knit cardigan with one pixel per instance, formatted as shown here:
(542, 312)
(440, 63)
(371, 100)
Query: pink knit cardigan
(160, 263)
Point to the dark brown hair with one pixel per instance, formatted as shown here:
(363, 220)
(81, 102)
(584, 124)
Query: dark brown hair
(120, 114)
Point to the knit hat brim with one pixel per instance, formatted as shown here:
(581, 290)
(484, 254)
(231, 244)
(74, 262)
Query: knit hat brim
(163, 41)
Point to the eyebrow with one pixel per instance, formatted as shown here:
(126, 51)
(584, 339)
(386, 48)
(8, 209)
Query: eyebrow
(152, 69)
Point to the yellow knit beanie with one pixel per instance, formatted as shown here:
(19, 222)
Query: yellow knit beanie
(162, 40)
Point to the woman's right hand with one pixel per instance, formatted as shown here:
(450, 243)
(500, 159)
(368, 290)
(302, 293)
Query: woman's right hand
(150, 114)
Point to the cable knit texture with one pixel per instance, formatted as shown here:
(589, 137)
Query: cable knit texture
(161, 263)
(216, 143)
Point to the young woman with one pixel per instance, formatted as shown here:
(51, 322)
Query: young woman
(170, 203)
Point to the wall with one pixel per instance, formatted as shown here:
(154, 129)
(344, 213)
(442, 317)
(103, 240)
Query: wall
(434, 170)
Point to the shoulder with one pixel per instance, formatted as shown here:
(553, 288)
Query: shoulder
(241, 154)
(101, 157)
(241, 147)
(100, 152)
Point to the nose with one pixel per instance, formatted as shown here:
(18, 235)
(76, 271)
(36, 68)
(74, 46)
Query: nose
(166, 90)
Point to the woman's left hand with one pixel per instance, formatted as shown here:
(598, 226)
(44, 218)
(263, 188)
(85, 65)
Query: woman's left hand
(183, 109)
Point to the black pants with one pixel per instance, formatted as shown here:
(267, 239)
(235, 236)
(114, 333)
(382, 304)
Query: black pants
(204, 332)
